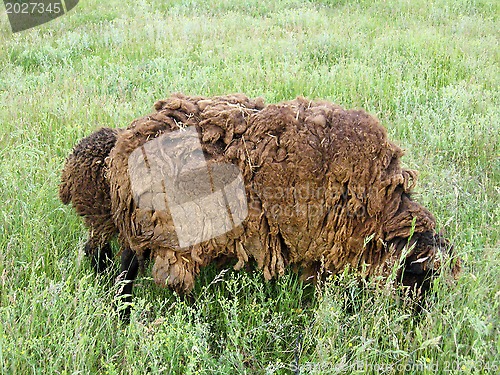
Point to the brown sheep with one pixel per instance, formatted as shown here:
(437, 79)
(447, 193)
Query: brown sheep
(324, 189)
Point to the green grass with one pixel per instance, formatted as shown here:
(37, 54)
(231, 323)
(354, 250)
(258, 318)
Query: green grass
(428, 70)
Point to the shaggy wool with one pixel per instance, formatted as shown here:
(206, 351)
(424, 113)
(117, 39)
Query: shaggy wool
(324, 186)
(84, 184)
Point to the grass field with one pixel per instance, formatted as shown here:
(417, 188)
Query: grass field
(428, 69)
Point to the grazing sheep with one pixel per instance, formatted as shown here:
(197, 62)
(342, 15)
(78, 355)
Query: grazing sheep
(324, 190)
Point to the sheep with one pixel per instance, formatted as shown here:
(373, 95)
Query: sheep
(323, 188)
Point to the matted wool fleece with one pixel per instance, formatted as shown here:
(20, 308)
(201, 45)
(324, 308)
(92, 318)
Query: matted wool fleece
(324, 186)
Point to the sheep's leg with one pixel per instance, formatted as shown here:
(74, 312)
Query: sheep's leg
(102, 258)
(100, 254)
(125, 280)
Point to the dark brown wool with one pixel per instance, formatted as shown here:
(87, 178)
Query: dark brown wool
(84, 184)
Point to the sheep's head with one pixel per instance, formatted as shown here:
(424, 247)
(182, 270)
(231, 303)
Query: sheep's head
(429, 255)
